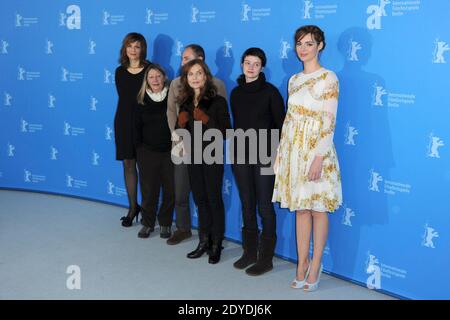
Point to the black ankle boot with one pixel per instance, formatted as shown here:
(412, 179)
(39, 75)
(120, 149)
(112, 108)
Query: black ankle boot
(216, 250)
(203, 246)
(250, 246)
(165, 232)
(145, 232)
(265, 255)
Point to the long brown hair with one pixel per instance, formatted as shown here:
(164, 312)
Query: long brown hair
(208, 91)
(144, 86)
(130, 38)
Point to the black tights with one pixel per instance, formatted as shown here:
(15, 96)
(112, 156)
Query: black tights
(131, 180)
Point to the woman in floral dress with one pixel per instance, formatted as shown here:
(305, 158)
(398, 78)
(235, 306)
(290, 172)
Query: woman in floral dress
(307, 176)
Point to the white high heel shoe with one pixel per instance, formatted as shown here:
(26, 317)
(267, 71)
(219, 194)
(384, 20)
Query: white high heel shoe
(313, 286)
(298, 284)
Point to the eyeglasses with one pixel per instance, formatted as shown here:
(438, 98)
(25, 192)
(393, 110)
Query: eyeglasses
(158, 76)
(307, 44)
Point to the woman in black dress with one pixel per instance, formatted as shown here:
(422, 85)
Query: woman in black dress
(128, 78)
(200, 103)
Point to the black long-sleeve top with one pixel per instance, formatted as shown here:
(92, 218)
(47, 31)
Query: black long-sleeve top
(151, 126)
(217, 110)
(257, 105)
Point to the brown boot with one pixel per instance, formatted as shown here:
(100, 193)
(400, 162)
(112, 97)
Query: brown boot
(178, 236)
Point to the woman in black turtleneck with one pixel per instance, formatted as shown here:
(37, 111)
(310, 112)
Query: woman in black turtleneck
(153, 144)
(256, 104)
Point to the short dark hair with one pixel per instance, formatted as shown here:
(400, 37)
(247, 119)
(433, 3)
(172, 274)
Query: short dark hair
(130, 38)
(257, 52)
(315, 31)
(198, 50)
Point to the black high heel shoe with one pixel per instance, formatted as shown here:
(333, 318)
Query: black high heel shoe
(127, 221)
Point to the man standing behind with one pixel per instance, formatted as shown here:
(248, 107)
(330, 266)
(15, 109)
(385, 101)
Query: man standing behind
(182, 185)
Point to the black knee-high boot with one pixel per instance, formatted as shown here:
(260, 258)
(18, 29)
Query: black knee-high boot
(250, 246)
(265, 255)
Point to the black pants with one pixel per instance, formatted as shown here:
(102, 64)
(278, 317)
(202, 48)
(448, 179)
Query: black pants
(156, 171)
(255, 190)
(206, 183)
(182, 192)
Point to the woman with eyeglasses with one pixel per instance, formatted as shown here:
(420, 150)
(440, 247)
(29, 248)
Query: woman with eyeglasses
(153, 145)
(201, 107)
(256, 105)
(307, 176)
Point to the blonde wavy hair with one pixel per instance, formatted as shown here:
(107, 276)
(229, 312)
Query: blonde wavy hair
(145, 86)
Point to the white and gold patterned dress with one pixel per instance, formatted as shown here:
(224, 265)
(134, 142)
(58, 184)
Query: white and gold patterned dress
(308, 131)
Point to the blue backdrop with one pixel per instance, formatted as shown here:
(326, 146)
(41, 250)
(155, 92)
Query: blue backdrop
(57, 62)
